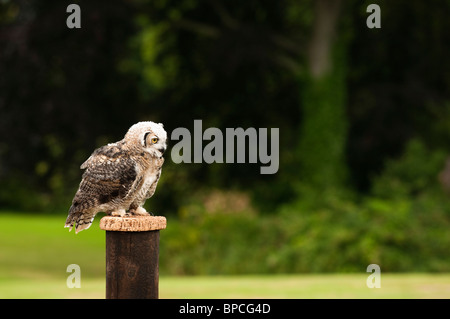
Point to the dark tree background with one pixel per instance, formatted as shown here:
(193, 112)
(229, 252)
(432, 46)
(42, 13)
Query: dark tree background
(346, 98)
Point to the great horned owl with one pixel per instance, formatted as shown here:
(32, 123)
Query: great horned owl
(120, 176)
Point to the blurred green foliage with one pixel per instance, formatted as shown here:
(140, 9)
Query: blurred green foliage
(414, 174)
(341, 236)
(360, 148)
(398, 235)
(401, 225)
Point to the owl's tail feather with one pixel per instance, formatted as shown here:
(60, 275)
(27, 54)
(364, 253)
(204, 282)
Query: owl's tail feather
(81, 220)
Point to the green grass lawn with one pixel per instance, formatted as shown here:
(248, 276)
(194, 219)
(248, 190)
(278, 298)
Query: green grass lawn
(36, 250)
(286, 286)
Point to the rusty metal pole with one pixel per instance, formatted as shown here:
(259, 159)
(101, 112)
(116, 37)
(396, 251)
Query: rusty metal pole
(132, 256)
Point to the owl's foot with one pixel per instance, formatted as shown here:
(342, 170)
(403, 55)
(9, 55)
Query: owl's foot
(140, 211)
(118, 213)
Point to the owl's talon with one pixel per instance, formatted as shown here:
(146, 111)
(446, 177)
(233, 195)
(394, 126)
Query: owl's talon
(119, 213)
(140, 211)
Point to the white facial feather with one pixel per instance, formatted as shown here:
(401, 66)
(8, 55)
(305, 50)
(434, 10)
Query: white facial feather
(138, 131)
(143, 127)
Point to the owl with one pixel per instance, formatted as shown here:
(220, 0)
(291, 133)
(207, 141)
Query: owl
(119, 177)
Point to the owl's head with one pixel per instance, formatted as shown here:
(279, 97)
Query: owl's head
(150, 136)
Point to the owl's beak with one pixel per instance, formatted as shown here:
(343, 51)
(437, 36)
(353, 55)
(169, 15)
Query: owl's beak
(162, 150)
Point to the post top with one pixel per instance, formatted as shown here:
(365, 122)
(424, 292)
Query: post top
(133, 223)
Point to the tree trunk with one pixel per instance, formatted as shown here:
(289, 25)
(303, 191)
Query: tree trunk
(324, 123)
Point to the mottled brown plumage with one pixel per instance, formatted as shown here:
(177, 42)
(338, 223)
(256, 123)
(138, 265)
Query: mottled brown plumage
(119, 177)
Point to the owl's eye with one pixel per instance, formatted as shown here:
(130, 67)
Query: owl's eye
(154, 140)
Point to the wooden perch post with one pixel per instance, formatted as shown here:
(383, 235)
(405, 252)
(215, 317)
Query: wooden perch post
(132, 256)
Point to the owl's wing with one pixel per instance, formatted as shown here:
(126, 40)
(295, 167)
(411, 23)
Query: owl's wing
(109, 176)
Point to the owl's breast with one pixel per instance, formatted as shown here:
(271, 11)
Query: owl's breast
(148, 180)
